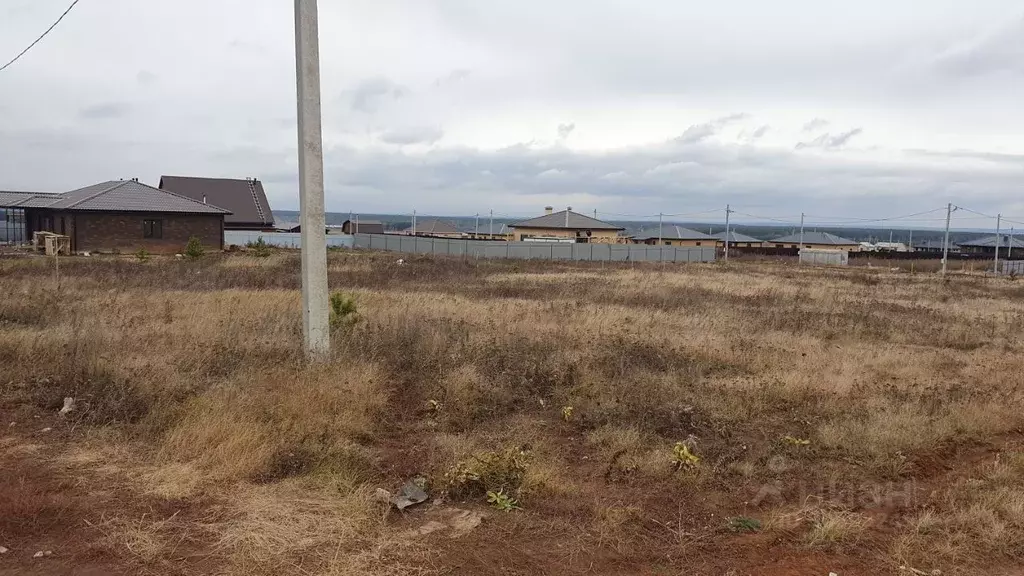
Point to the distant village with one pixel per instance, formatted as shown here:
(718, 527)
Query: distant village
(128, 215)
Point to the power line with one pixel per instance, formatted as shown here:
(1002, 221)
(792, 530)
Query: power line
(43, 35)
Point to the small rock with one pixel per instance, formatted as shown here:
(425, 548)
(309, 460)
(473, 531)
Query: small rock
(47, 429)
(3, 550)
(410, 494)
(39, 554)
(69, 405)
(832, 574)
(48, 553)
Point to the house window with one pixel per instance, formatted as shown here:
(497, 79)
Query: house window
(793, 246)
(668, 243)
(698, 243)
(152, 229)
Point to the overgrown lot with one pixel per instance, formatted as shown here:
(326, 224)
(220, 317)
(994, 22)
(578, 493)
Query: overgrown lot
(751, 418)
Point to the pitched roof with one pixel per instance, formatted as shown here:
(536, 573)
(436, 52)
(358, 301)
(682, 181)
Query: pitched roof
(12, 199)
(118, 196)
(673, 232)
(817, 238)
(990, 242)
(735, 236)
(246, 199)
(431, 226)
(574, 221)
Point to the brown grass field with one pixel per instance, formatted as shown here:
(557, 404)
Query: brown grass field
(857, 421)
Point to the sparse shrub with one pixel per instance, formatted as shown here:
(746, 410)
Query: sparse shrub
(501, 501)
(503, 472)
(744, 524)
(343, 311)
(682, 457)
(142, 255)
(194, 248)
(833, 527)
(259, 248)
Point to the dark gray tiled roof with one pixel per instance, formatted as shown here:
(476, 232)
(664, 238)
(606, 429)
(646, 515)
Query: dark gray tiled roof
(246, 199)
(990, 242)
(558, 220)
(673, 232)
(11, 199)
(735, 236)
(120, 196)
(816, 238)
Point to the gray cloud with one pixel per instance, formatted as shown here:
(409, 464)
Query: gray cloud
(564, 130)
(368, 95)
(412, 135)
(700, 132)
(815, 125)
(105, 111)
(829, 141)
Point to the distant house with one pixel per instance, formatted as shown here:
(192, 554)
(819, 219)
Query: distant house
(566, 226)
(120, 216)
(246, 199)
(500, 233)
(987, 245)
(738, 240)
(672, 235)
(431, 227)
(816, 241)
(935, 246)
(362, 227)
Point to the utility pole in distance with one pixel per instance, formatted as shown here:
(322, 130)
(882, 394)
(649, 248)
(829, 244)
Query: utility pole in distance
(490, 227)
(727, 212)
(995, 266)
(660, 220)
(801, 234)
(476, 227)
(315, 317)
(945, 242)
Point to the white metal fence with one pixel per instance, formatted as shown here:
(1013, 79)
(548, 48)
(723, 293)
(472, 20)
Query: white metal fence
(822, 257)
(1014, 267)
(534, 250)
(281, 239)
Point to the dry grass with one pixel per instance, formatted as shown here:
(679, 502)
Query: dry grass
(195, 370)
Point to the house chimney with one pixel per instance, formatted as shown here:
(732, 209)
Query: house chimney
(204, 198)
(548, 210)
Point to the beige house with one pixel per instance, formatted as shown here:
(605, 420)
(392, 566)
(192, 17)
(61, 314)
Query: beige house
(566, 226)
(672, 235)
(815, 240)
(737, 240)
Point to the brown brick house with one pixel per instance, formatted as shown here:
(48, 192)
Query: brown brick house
(123, 216)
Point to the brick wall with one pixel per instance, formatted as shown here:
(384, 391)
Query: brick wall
(108, 232)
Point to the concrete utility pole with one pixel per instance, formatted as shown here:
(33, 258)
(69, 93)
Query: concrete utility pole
(595, 213)
(801, 230)
(476, 227)
(995, 266)
(1009, 249)
(660, 221)
(945, 242)
(490, 227)
(910, 245)
(727, 212)
(413, 222)
(315, 316)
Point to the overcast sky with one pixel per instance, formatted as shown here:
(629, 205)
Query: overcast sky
(836, 108)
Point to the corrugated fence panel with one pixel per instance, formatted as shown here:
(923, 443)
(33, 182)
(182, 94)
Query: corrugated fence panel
(1015, 267)
(528, 250)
